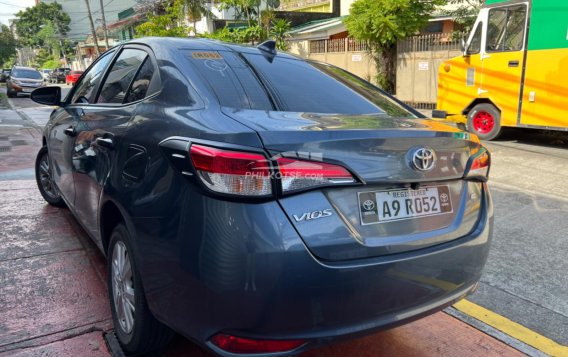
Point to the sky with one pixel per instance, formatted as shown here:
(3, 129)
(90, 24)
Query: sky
(9, 7)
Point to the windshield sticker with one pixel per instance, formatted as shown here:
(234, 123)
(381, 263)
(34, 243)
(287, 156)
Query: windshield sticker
(206, 55)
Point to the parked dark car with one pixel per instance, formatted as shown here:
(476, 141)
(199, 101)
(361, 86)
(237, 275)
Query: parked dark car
(4, 75)
(259, 203)
(23, 80)
(58, 75)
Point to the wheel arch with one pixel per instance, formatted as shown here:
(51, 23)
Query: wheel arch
(110, 216)
(477, 101)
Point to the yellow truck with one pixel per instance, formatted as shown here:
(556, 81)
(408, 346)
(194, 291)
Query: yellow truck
(513, 72)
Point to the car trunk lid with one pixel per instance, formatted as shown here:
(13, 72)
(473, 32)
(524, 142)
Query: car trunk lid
(339, 223)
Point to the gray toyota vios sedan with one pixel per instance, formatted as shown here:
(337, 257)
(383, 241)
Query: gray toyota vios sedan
(259, 203)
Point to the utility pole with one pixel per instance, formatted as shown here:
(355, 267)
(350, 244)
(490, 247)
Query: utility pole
(93, 28)
(104, 24)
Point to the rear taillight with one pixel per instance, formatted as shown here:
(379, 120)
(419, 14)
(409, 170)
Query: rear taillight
(232, 172)
(250, 174)
(300, 174)
(479, 165)
(235, 344)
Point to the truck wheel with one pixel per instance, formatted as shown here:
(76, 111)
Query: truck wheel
(484, 120)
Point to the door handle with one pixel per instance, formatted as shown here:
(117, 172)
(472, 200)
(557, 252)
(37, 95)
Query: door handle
(105, 142)
(70, 131)
(513, 63)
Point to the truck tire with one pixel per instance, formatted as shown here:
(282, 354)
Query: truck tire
(484, 120)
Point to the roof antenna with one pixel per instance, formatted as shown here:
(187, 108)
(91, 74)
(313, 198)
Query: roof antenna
(268, 49)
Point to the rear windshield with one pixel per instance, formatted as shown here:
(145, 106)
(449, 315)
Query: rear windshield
(290, 85)
(26, 73)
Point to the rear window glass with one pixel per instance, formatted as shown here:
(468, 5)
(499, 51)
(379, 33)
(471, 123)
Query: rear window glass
(295, 85)
(230, 79)
(303, 86)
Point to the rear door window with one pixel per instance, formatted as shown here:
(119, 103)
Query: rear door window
(140, 84)
(121, 75)
(85, 90)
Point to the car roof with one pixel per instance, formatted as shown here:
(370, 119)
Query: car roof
(176, 43)
(22, 67)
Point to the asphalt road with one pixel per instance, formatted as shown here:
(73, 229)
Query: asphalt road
(526, 277)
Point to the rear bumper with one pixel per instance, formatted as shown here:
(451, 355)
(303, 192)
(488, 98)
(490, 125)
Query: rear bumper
(242, 269)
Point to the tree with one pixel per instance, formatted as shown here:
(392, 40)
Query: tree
(33, 19)
(279, 31)
(169, 24)
(7, 45)
(465, 13)
(381, 23)
(248, 9)
(195, 10)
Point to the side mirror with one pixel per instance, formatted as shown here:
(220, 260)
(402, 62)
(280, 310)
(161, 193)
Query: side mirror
(47, 95)
(463, 46)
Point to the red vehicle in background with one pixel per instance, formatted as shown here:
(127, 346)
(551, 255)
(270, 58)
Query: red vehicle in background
(72, 77)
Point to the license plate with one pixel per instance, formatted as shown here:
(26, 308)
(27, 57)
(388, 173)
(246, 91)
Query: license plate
(395, 205)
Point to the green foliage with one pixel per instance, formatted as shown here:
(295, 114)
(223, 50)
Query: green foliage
(243, 35)
(279, 32)
(44, 59)
(195, 10)
(51, 64)
(169, 24)
(32, 20)
(381, 23)
(465, 13)
(7, 45)
(244, 9)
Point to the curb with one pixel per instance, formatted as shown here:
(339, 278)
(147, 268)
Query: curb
(495, 333)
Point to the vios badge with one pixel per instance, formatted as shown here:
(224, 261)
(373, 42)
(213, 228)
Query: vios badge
(308, 216)
(423, 159)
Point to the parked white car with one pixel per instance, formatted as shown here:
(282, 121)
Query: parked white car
(45, 73)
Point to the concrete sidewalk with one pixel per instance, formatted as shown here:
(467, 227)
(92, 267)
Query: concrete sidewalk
(53, 293)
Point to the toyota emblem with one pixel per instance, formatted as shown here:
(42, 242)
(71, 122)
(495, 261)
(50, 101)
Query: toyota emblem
(423, 159)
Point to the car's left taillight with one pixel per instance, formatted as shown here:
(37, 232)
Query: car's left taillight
(242, 173)
(232, 172)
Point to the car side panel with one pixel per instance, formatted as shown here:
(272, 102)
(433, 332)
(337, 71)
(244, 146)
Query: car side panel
(61, 147)
(99, 135)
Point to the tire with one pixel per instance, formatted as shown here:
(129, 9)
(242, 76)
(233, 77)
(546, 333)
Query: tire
(10, 94)
(141, 333)
(484, 120)
(44, 181)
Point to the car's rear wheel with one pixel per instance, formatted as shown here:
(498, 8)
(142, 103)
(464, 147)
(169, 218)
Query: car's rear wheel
(44, 179)
(136, 328)
(484, 120)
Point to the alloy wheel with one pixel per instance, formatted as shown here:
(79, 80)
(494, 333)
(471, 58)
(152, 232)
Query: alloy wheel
(45, 177)
(123, 287)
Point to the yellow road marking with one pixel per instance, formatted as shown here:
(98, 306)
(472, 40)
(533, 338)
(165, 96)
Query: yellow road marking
(512, 328)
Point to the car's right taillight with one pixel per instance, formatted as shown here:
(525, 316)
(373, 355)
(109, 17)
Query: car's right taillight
(479, 164)
(232, 172)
